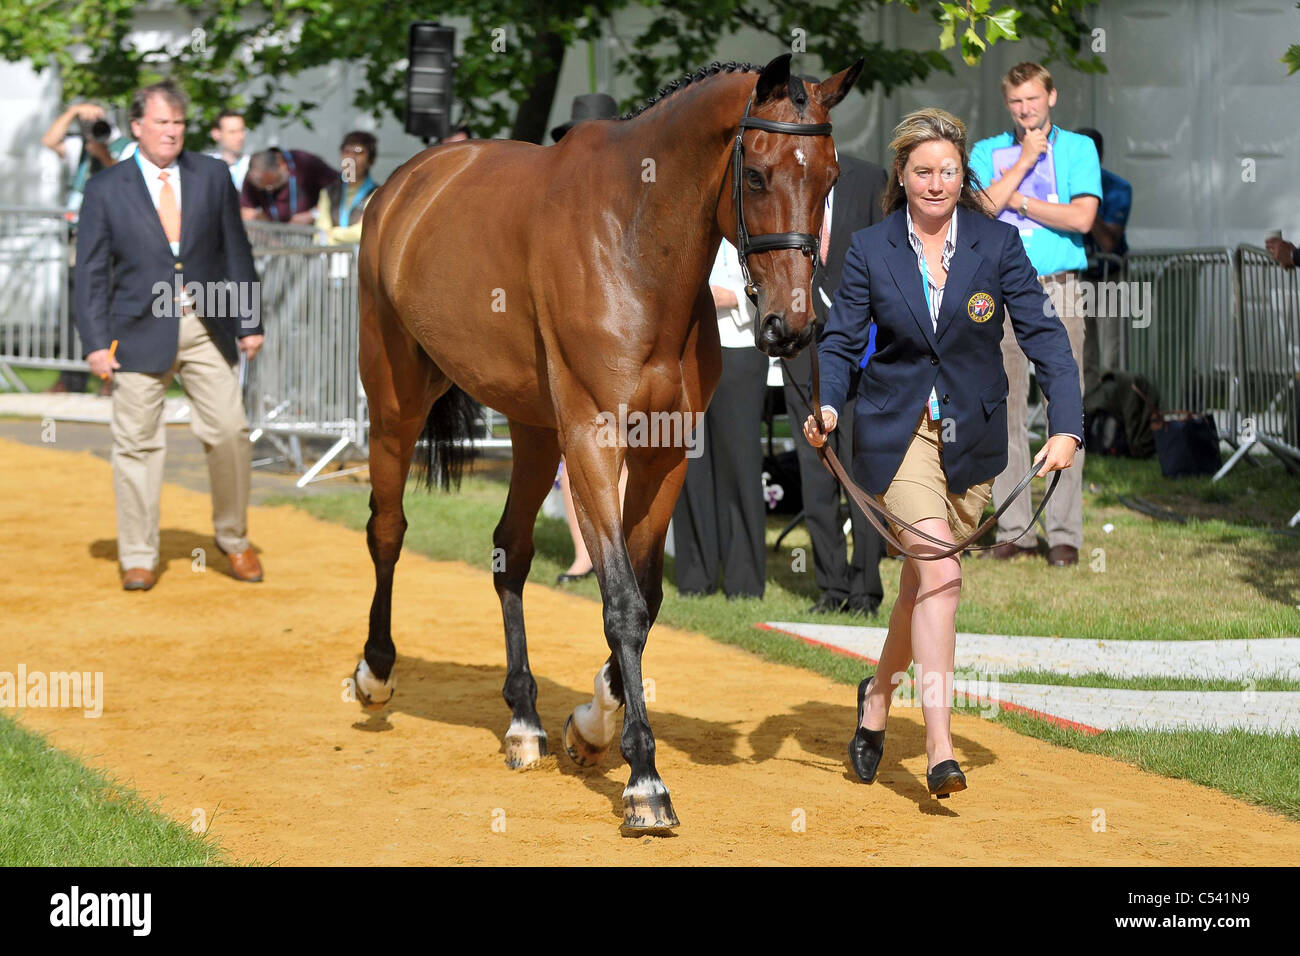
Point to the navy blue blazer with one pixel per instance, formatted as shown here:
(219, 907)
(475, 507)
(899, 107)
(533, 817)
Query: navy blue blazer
(962, 361)
(123, 256)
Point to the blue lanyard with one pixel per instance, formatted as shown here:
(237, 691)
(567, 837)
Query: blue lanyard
(925, 285)
(925, 276)
(345, 213)
(932, 404)
(272, 207)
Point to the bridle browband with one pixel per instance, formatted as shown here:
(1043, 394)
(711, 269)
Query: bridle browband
(746, 244)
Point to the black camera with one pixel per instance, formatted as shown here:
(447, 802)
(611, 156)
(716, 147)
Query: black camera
(98, 130)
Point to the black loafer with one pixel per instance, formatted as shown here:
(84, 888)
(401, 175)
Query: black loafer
(863, 607)
(945, 778)
(867, 746)
(566, 577)
(828, 604)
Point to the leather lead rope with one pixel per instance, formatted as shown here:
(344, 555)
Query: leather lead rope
(871, 508)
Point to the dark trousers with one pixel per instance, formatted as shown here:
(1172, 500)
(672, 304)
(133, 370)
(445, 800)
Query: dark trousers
(72, 381)
(721, 518)
(858, 579)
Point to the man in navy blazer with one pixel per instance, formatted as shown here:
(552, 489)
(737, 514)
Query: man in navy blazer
(165, 273)
(962, 361)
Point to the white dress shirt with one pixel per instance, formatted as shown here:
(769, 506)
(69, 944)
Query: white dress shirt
(155, 185)
(238, 170)
(830, 209)
(934, 293)
(736, 323)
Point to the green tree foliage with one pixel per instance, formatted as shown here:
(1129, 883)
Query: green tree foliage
(1292, 56)
(240, 51)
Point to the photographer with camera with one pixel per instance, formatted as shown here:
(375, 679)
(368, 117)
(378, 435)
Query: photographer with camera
(99, 150)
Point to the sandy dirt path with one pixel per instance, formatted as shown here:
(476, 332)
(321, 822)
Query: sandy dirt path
(228, 697)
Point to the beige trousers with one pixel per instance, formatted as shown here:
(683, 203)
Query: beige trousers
(139, 445)
(1064, 512)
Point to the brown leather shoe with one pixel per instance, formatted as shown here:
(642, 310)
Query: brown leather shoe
(137, 579)
(1008, 550)
(1062, 555)
(245, 566)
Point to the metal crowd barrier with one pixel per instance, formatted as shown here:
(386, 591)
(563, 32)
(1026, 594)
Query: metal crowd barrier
(1223, 339)
(36, 322)
(1187, 341)
(304, 382)
(1112, 347)
(36, 330)
(1269, 321)
(279, 235)
(1268, 329)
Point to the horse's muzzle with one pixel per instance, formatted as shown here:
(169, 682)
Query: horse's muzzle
(776, 339)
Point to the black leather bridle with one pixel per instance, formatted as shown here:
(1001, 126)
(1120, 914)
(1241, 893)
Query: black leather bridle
(746, 244)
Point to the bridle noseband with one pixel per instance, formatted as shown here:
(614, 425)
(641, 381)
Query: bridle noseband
(746, 244)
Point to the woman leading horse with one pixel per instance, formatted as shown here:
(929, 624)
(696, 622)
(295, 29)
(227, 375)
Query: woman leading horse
(936, 276)
(561, 286)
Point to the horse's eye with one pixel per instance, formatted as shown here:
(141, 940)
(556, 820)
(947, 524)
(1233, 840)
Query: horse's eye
(754, 179)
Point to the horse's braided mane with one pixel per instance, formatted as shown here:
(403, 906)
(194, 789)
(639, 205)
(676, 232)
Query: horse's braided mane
(703, 73)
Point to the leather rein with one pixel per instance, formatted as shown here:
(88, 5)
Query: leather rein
(809, 245)
(871, 508)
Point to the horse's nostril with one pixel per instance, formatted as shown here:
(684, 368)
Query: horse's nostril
(773, 327)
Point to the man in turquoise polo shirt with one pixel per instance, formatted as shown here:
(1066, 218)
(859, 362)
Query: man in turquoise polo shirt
(1046, 181)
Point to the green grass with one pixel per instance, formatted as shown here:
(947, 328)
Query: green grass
(1221, 575)
(1146, 683)
(56, 812)
(1261, 769)
(41, 379)
(1257, 493)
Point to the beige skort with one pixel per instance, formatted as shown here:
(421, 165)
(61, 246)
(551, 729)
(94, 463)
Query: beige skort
(920, 490)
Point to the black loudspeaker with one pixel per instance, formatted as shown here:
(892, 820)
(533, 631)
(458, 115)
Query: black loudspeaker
(429, 80)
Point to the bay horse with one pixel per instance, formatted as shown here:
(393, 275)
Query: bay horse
(558, 285)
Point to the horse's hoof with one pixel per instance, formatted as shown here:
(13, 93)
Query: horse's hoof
(525, 746)
(647, 810)
(579, 751)
(372, 693)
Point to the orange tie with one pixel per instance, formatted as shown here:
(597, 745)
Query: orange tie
(168, 211)
(826, 236)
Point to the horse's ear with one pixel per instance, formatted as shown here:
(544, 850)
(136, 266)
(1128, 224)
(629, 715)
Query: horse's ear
(835, 88)
(774, 79)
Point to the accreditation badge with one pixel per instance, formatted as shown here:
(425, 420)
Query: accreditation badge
(980, 307)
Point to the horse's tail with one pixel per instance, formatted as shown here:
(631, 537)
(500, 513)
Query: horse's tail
(446, 442)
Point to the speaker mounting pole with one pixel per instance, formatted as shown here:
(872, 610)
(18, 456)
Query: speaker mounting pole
(430, 80)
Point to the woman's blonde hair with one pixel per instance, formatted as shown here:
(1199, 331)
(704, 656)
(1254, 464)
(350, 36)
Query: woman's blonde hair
(925, 126)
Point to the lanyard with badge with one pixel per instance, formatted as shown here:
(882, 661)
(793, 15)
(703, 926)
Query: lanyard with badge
(345, 212)
(925, 287)
(272, 206)
(1039, 183)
